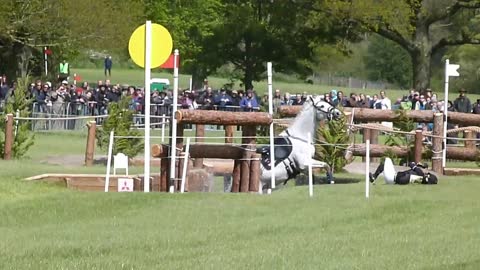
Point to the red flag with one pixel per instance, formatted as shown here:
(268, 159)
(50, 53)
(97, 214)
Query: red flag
(169, 62)
(48, 52)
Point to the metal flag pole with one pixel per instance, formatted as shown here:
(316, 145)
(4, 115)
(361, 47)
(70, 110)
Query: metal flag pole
(445, 112)
(173, 125)
(272, 135)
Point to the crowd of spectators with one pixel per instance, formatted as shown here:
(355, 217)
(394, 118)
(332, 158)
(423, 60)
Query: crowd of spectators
(70, 99)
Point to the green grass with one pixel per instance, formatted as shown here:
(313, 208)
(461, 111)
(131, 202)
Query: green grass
(136, 77)
(45, 226)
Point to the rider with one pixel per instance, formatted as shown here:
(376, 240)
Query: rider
(415, 174)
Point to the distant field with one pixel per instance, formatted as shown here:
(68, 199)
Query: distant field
(136, 77)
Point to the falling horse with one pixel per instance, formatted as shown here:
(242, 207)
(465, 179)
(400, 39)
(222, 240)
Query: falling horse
(293, 152)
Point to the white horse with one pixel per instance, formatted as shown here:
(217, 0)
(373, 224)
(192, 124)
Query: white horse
(293, 153)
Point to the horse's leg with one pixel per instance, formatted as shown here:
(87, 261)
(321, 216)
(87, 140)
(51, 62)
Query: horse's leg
(321, 164)
(227, 182)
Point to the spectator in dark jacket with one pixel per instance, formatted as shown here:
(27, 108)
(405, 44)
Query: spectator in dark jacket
(249, 102)
(462, 103)
(223, 100)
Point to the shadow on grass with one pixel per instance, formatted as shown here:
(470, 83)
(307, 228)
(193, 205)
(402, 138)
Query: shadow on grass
(302, 180)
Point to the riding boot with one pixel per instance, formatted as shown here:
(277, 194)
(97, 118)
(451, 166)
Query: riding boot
(377, 172)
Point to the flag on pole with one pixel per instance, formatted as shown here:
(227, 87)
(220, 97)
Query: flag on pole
(452, 70)
(169, 63)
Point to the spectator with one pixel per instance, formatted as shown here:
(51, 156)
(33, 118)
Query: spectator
(363, 102)
(59, 98)
(376, 103)
(476, 107)
(287, 99)
(102, 100)
(297, 100)
(108, 66)
(342, 101)
(421, 104)
(236, 99)
(352, 101)
(249, 102)
(462, 103)
(334, 97)
(223, 100)
(386, 105)
(207, 99)
(277, 100)
(64, 71)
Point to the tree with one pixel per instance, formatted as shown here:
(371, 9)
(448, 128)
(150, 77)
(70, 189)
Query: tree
(255, 32)
(190, 24)
(64, 25)
(421, 27)
(386, 61)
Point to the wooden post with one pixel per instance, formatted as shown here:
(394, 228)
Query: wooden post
(229, 130)
(236, 175)
(437, 143)
(8, 137)
(373, 140)
(90, 151)
(366, 135)
(164, 173)
(200, 134)
(245, 172)
(418, 146)
(255, 172)
(248, 140)
(470, 137)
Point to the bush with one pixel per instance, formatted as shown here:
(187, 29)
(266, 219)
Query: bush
(18, 102)
(120, 120)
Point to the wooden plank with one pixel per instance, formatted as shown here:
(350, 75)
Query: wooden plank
(208, 117)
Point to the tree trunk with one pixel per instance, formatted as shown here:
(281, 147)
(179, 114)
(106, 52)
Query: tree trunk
(421, 57)
(23, 56)
(248, 77)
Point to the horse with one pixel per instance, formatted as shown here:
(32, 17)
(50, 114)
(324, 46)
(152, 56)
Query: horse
(292, 152)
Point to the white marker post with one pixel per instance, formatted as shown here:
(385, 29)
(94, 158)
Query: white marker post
(109, 161)
(270, 111)
(148, 59)
(310, 170)
(46, 61)
(450, 70)
(173, 126)
(185, 165)
(367, 169)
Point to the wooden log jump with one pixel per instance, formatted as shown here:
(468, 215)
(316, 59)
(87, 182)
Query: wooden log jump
(207, 117)
(373, 115)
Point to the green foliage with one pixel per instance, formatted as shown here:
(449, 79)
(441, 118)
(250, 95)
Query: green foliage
(395, 139)
(120, 120)
(19, 105)
(387, 61)
(332, 138)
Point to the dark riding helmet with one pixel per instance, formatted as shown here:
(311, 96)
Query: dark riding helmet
(430, 179)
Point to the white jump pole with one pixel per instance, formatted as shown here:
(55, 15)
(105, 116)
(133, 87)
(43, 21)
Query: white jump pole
(148, 52)
(445, 112)
(109, 161)
(191, 84)
(185, 165)
(367, 169)
(173, 124)
(310, 171)
(270, 111)
(163, 127)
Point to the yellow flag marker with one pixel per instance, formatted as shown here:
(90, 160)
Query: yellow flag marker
(162, 45)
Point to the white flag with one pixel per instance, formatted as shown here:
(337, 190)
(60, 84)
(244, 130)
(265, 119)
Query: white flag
(452, 70)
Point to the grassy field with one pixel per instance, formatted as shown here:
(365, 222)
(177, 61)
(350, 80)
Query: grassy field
(136, 77)
(45, 226)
